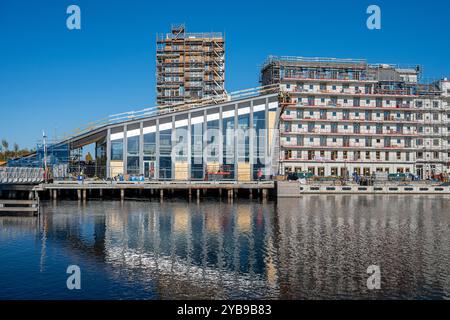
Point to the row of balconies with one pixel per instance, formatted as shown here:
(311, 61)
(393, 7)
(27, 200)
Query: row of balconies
(347, 132)
(362, 158)
(289, 118)
(290, 145)
(324, 77)
(361, 107)
(349, 92)
(372, 106)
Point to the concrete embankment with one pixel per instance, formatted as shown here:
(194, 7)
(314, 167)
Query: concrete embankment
(294, 189)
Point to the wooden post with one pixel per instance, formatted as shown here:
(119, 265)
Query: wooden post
(122, 194)
(220, 193)
(250, 194)
(55, 195)
(101, 193)
(264, 192)
(79, 194)
(230, 195)
(84, 195)
(190, 194)
(198, 195)
(161, 195)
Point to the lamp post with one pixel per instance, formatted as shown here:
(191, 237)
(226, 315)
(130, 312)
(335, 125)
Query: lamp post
(45, 156)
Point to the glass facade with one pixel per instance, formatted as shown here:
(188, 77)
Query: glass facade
(215, 144)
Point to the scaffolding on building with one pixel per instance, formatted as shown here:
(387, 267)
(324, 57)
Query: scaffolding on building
(189, 66)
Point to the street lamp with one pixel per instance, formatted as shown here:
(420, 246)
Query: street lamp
(45, 156)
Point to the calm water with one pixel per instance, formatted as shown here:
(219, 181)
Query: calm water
(311, 248)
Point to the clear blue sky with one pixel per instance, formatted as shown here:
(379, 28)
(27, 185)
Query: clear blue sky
(55, 79)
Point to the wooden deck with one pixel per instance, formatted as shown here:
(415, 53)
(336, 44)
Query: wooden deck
(157, 188)
(19, 206)
(157, 185)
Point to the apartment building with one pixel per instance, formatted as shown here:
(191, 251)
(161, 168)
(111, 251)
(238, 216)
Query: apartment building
(346, 116)
(189, 66)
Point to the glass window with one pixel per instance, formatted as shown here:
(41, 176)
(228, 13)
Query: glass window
(165, 142)
(243, 138)
(212, 140)
(117, 150)
(259, 142)
(150, 144)
(133, 165)
(197, 170)
(133, 146)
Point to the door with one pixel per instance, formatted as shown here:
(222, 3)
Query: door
(149, 169)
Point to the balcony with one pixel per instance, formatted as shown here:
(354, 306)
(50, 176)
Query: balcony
(316, 132)
(340, 106)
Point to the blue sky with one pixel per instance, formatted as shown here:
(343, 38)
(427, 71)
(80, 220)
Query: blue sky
(55, 79)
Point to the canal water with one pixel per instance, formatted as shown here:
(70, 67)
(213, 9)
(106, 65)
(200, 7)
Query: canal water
(316, 247)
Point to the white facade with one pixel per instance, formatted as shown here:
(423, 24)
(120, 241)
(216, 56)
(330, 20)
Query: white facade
(345, 118)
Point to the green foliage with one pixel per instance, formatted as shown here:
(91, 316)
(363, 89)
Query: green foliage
(6, 154)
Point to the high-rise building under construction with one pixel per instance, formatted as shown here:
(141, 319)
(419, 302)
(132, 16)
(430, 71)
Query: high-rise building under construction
(189, 66)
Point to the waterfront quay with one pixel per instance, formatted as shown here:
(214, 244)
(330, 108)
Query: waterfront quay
(294, 189)
(150, 189)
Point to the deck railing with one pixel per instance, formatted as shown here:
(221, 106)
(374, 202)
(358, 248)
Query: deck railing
(10, 175)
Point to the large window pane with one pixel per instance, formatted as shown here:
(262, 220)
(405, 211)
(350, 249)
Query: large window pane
(133, 146)
(150, 145)
(117, 150)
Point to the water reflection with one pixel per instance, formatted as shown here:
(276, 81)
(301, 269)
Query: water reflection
(308, 248)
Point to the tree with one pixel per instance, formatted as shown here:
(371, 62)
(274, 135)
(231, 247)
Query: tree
(5, 144)
(16, 149)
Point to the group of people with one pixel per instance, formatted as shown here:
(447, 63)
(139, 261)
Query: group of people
(133, 178)
(364, 180)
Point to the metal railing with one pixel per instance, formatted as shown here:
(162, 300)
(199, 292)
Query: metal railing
(161, 110)
(21, 175)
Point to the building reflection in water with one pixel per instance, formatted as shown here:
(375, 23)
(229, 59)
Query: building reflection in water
(308, 248)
